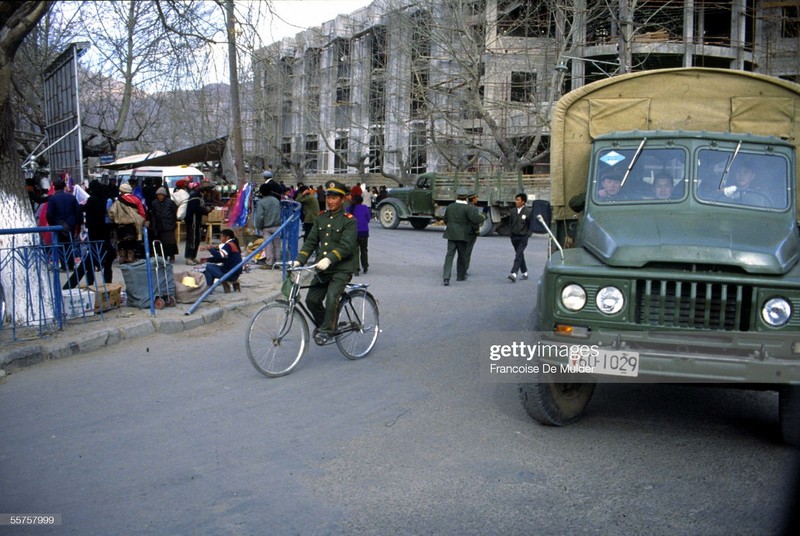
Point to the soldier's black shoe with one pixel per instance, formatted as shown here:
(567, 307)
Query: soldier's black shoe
(446, 282)
(321, 337)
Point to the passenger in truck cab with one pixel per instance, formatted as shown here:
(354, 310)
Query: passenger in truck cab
(663, 187)
(610, 187)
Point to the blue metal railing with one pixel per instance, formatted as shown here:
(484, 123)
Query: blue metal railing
(289, 232)
(30, 278)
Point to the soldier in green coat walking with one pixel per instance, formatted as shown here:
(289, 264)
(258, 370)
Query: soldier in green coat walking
(333, 239)
(460, 218)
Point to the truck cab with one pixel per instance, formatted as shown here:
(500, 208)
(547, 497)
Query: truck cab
(681, 261)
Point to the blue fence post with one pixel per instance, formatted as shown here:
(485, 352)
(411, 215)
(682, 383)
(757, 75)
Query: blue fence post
(34, 260)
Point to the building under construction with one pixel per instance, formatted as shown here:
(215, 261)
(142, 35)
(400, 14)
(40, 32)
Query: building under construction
(404, 87)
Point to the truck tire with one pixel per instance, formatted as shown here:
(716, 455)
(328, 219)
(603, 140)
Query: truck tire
(419, 223)
(789, 411)
(549, 402)
(389, 217)
(555, 404)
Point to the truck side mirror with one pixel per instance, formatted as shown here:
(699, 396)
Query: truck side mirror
(545, 210)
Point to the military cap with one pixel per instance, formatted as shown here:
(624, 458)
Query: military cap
(462, 192)
(335, 188)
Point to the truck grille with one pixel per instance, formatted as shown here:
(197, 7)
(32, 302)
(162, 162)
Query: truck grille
(687, 304)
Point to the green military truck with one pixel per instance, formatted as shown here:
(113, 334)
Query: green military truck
(674, 198)
(427, 199)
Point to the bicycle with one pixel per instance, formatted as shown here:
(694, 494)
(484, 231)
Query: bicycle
(278, 336)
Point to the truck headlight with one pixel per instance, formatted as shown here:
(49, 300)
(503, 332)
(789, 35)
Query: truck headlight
(573, 297)
(610, 300)
(776, 312)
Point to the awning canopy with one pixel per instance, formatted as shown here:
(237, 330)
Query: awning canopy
(208, 151)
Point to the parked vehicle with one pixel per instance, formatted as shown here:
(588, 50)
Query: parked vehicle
(156, 176)
(701, 285)
(427, 199)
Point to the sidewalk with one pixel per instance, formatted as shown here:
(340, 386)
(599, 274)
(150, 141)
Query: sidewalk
(117, 325)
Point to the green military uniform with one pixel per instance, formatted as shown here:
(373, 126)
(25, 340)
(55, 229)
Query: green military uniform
(333, 237)
(460, 219)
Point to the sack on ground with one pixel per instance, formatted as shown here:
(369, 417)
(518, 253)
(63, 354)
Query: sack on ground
(136, 284)
(189, 286)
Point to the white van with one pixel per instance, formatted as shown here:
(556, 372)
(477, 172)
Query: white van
(155, 176)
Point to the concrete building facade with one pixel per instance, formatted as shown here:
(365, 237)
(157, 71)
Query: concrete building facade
(403, 87)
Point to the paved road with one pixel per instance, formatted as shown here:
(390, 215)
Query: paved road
(179, 435)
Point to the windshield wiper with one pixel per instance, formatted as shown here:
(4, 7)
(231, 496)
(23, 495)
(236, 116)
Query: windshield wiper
(633, 162)
(728, 166)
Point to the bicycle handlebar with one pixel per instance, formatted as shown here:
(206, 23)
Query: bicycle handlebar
(301, 268)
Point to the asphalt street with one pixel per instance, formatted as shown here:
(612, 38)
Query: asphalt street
(178, 434)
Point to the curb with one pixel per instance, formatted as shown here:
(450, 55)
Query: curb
(105, 336)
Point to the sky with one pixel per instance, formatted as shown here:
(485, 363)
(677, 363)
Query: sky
(293, 16)
(286, 19)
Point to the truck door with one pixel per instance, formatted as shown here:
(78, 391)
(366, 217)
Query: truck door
(419, 200)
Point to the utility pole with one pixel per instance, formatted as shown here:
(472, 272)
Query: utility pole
(236, 110)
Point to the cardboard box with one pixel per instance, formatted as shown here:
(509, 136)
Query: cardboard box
(216, 216)
(110, 298)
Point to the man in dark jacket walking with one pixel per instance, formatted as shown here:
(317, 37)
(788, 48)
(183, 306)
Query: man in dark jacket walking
(460, 218)
(520, 222)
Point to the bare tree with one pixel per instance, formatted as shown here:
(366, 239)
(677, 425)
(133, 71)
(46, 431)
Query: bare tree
(143, 50)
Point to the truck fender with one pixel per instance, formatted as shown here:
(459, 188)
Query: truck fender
(400, 206)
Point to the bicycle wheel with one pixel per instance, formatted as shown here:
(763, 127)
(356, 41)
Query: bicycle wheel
(358, 326)
(277, 339)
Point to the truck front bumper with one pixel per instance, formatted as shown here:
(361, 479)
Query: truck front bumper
(741, 358)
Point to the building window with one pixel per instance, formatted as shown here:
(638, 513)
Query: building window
(342, 51)
(377, 101)
(342, 94)
(340, 156)
(286, 148)
(311, 156)
(521, 18)
(523, 87)
(790, 22)
(417, 152)
(376, 152)
(378, 46)
(419, 94)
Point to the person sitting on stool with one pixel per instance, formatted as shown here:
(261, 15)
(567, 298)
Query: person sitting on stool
(228, 254)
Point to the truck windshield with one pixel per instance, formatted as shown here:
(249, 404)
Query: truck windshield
(657, 176)
(753, 180)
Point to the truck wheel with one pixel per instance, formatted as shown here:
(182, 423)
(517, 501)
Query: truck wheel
(389, 217)
(419, 223)
(504, 228)
(789, 410)
(486, 227)
(555, 404)
(552, 403)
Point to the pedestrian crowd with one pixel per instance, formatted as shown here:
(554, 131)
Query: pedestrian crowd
(335, 230)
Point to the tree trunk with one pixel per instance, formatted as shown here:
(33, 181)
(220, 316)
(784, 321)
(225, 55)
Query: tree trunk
(19, 18)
